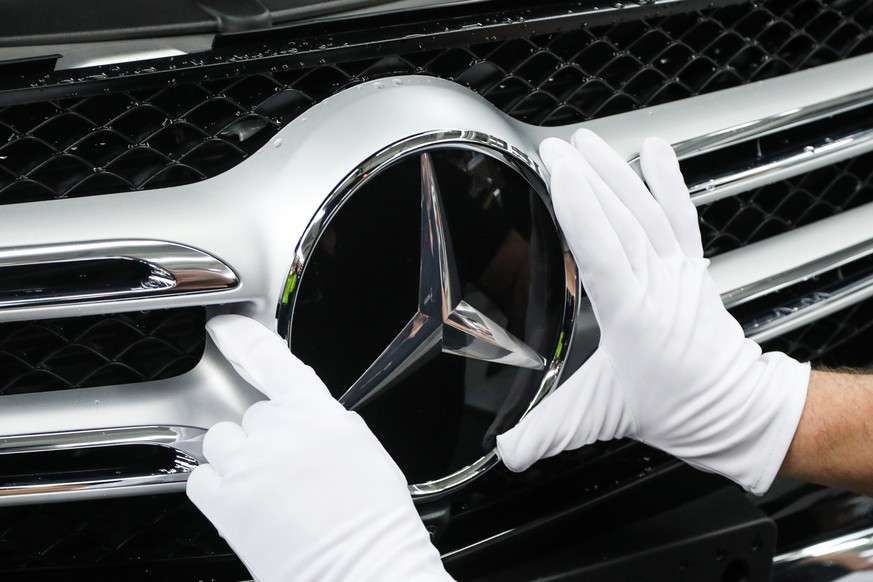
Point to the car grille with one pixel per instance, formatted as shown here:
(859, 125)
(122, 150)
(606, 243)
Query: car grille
(100, 350)
(112, 539)
(840, 339)
(736, 221)
(174, 133)
(142, 133)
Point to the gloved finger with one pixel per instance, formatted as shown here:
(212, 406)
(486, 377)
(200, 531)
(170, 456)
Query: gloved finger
(633, 238)
(263, 359)
(222, 446)
(627, 186)
(586, 408)
(664, 177)
(599, 255)
(263, 414)
(202, 489)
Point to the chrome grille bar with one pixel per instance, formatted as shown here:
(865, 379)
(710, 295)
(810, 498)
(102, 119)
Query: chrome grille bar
(171, 269)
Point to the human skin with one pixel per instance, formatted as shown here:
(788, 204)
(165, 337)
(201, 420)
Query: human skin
(833, 444)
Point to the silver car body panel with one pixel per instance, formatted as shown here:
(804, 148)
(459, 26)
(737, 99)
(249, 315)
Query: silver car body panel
(252, 217)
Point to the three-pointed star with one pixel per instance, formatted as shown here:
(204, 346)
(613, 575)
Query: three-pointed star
(443, 319)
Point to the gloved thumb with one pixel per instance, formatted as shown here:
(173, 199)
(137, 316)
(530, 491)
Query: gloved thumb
(586, 408)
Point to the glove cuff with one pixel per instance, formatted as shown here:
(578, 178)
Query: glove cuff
(787, 381)
(752, 446)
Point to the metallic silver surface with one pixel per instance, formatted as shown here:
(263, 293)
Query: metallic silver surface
(811, 308)
(89, 54)
(172, 268)
(805, 157)
(253, 216)
(184, 442)
(797, 274)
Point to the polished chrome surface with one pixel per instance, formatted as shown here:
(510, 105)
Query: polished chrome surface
(809, 309)
(184, 442)
(797, 274)
(443, 319)
(771, 264)
(253, 216)
(443, 322)
(89, 54)
(173, 269)
(847, 558)
(804, 158)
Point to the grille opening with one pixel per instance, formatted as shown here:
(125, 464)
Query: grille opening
(839, 339)
(71, 278)
(110, 462)
(171, 133)
(756, 312)
(100, 350)
(736, 221)
(778, 145)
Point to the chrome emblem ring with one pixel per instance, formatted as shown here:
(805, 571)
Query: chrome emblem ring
(433, 295)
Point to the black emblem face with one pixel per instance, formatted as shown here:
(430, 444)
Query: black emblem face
(433, 304)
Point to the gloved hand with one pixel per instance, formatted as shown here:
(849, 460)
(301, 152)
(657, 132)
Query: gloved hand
(673, 368)
(303, 491)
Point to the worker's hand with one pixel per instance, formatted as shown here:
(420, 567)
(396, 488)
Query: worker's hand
(302, 490)
(673, 368)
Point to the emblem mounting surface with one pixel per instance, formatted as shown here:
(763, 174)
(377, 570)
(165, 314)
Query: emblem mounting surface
(453, 341)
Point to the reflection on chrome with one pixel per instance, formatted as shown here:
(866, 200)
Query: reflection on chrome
(831, 561)
(443, 319)
(170, 269)
(803, 158)
(183, 443)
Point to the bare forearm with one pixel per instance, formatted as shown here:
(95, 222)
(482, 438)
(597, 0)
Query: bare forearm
(833, 444)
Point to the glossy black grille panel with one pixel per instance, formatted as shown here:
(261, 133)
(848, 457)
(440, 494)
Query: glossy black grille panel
(79, 352)
(736, 221)
(130, 141)
(160, 537)
(178, 133)
(840, 339)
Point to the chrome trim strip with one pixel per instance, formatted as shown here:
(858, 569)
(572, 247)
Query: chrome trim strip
(173, 269)
(420, 144)
(185, 442)
(816, 306)
(820, 306)
(859, 543)
(806, 157)
(797, 275)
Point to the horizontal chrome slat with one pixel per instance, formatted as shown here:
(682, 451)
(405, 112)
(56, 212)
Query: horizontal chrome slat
(252, 217)
(185, 444)
(858, 544)
(816, 307)
(802, 158)
(772, 263)
(806, 159)
(797, 274)
(172, 269)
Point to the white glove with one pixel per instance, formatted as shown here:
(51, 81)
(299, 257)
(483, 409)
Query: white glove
(303, 491)
(673, 368)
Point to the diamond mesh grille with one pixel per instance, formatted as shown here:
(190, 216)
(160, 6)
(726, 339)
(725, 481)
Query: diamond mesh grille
(142, 532)
(736, 221)
(840, 339)
(180, 133)
(78, 352)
